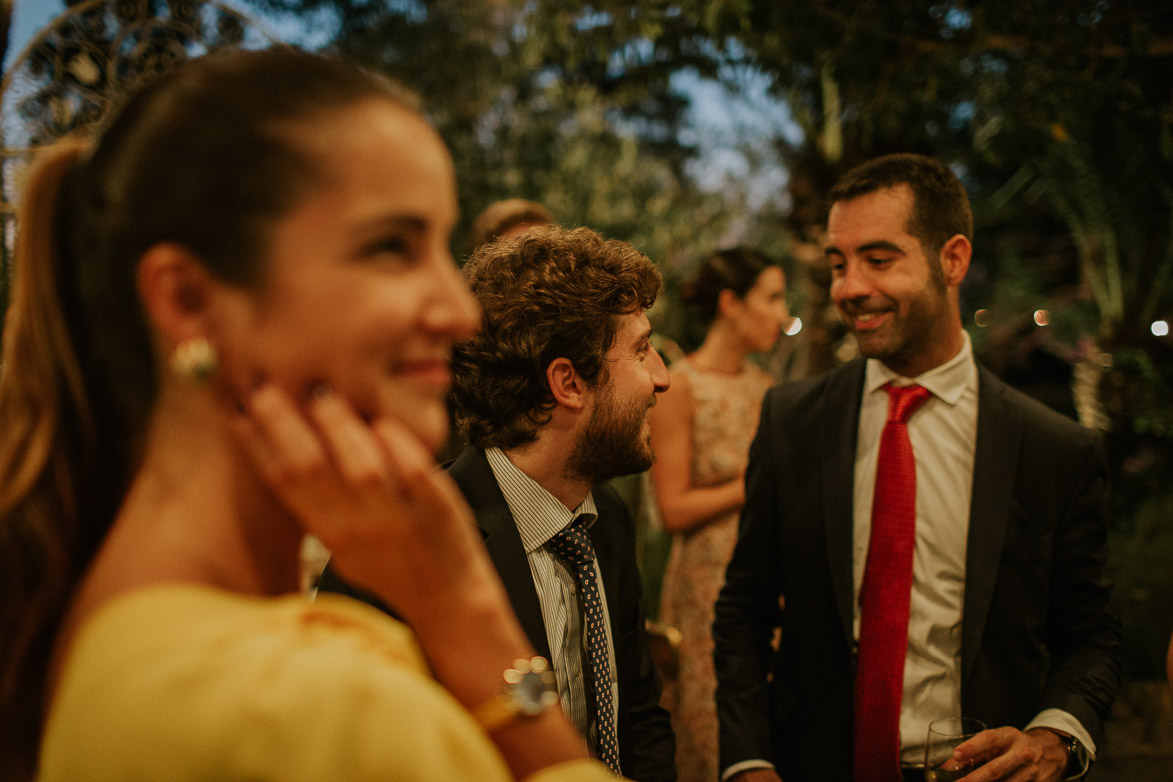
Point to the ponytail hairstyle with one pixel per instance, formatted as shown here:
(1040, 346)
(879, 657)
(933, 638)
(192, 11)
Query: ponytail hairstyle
(207, 156)
(735, 269)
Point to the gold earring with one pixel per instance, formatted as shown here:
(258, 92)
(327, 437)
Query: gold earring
(195, 359)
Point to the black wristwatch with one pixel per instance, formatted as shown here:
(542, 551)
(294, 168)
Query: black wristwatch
(1078, 758)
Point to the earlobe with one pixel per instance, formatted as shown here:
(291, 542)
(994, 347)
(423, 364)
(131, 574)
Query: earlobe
(566, 384)
(176, 291)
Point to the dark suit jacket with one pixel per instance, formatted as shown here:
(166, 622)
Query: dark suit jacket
(1036, 632)
(647, 745)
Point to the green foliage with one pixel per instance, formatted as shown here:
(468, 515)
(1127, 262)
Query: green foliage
(549, 103)
(1069, 101)
(1058, 114)
(1141, 385)
(1092, 145)
(1143, 599)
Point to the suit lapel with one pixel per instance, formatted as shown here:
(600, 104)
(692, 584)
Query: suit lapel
(605, 556)
(474, 476)
(994, 466)
(839, 431)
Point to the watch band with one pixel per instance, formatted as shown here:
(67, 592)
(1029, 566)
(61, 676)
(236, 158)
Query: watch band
(529, 689)
(1078, 758)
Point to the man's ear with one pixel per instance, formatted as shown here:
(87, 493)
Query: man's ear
(955, 256)
(176, 291)
(567, 386)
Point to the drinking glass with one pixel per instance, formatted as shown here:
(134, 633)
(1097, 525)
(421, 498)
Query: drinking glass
(944, 737)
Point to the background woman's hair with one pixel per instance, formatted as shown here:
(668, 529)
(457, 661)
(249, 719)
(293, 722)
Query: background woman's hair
(208, 156)
(735, 269)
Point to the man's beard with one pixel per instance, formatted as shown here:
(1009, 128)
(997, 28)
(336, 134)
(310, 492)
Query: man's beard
(613, 443)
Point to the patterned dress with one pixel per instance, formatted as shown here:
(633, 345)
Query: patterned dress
(725, 417)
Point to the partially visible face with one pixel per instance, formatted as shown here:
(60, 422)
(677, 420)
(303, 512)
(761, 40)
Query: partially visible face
(881, 282)
(360, 290)
(517, 230)
(617, 438)
(763, 311)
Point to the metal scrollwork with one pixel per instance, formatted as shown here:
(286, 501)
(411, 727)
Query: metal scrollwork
(89, 56)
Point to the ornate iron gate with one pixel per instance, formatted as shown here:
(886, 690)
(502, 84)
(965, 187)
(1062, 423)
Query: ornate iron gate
(98, 49)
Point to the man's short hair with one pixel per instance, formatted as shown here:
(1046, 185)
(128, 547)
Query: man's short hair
(500, 216)
(940, 208)
(545, 294)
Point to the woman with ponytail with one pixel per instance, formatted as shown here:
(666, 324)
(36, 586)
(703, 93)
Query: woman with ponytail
(231, 322)
(701, 430)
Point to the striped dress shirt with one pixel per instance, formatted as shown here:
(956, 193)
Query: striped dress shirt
(539, 516)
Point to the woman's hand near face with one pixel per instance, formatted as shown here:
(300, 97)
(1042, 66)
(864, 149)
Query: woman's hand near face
(394, 524)
(399, 527)
(372, 494)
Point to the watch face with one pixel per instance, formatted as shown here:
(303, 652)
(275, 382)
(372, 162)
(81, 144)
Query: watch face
(535, 693)
(529, 691)
(531, 686)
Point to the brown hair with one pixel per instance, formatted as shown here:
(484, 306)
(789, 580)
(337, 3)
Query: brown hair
(940, 207)
(736, 269)
(548, 293)
(206, 156)
(500, 216)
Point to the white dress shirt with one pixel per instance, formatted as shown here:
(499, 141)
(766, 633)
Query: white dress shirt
(540, 516)
(943, 433)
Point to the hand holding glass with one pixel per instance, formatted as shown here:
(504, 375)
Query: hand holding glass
(945, 736)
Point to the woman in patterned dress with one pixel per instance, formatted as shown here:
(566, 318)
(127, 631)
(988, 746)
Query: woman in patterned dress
(701, 431)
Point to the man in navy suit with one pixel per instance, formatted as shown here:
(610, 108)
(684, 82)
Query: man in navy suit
(553, 395)
(1004, 595)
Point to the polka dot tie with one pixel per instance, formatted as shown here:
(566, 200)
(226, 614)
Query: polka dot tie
(573, 546)
(885, 595)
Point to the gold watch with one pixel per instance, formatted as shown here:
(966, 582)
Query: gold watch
(528, 691)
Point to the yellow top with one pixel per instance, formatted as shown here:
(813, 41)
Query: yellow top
(183, 683)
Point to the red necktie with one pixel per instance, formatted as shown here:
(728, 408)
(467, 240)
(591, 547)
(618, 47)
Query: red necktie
(884, 596)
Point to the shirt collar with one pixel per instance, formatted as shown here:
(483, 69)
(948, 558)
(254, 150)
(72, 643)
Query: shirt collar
(538, 513)
(946, 382)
